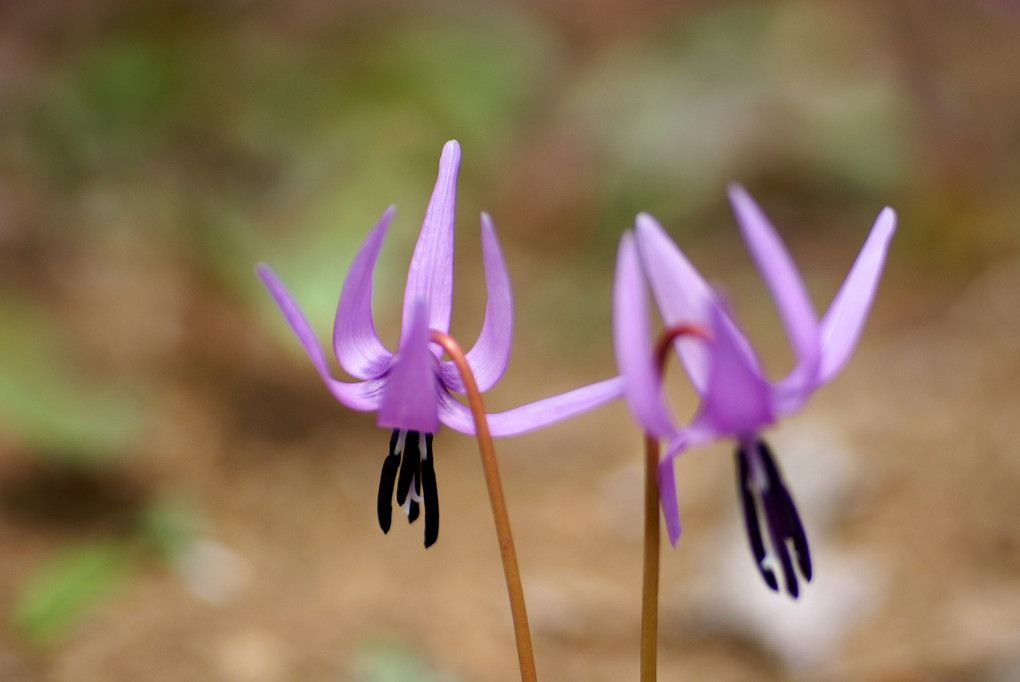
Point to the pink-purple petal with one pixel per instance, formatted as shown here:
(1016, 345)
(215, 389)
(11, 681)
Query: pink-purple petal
(355, 342)
(357, 396)
(409, 399)
(691, 436)
(842, 324)
(430, 276)
(738, 399)
(667, 499)
(680, 292)
(533, 415)
(488, 357)
(783, 280)
(633, 345)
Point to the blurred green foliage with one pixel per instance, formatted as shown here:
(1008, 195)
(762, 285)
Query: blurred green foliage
(169, 526)
(728, 96)
(55, 407)
(62, 591)
(392, 663)
(71, 585)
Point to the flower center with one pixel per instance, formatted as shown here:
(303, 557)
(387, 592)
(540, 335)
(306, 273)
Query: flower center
(763, 493)
(409, 470)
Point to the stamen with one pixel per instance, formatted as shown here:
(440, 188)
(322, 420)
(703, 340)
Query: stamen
(431, 495)
(778, 541)
(411, 472)
(745, 488)
(781, 518)
(386, 482)
(793, 529)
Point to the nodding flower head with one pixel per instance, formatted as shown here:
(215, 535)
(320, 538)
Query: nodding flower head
(412, 390)
(737, 400)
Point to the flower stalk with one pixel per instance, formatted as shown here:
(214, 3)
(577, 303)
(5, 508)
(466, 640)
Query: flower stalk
(650, 570)
(518, 611)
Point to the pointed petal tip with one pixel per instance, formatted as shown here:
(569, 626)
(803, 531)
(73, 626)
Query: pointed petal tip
(748, 212)
(627, 247)
(430, 275)
(740, 199)
(843, 322)
(646, 221)
(667, 498)
(534, 415)
(783, 281)
(632, 343)
(381, 225)
(735, 189)
(743, 203)
(485, 220)
(490, 353)
(355, 343)
(886, 221)
(451, 152)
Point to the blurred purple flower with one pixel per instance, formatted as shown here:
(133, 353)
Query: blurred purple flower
(737, 401)
(411, 390)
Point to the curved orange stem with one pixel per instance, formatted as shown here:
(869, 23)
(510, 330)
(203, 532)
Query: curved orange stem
(650, 569)
(525, 653)
(671, 334)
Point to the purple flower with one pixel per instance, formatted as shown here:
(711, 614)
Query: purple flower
(411, 390)
(737, 400)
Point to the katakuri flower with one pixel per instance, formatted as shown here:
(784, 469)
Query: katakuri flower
(411, 390)
(737, 400)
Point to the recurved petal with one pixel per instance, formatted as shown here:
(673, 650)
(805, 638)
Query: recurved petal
(783, 281)
(681, 441)
(533, 415)
(430, 277)
(488, 357)
(357, 396)
(409, 399)
(667, 499)
(633, 345)
(737, 400)
(679, 290)
(841, 326)
(357, 347)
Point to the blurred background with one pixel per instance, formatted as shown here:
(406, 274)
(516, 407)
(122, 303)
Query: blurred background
(180, 498)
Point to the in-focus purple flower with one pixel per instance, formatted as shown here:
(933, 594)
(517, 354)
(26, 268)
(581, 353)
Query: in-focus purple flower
(411, 390)
(737, 400)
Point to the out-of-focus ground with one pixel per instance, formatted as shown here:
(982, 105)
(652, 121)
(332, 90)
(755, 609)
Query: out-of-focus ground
(180, 498)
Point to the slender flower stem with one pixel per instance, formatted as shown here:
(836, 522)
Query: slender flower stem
(650, 572)
(525, 654)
